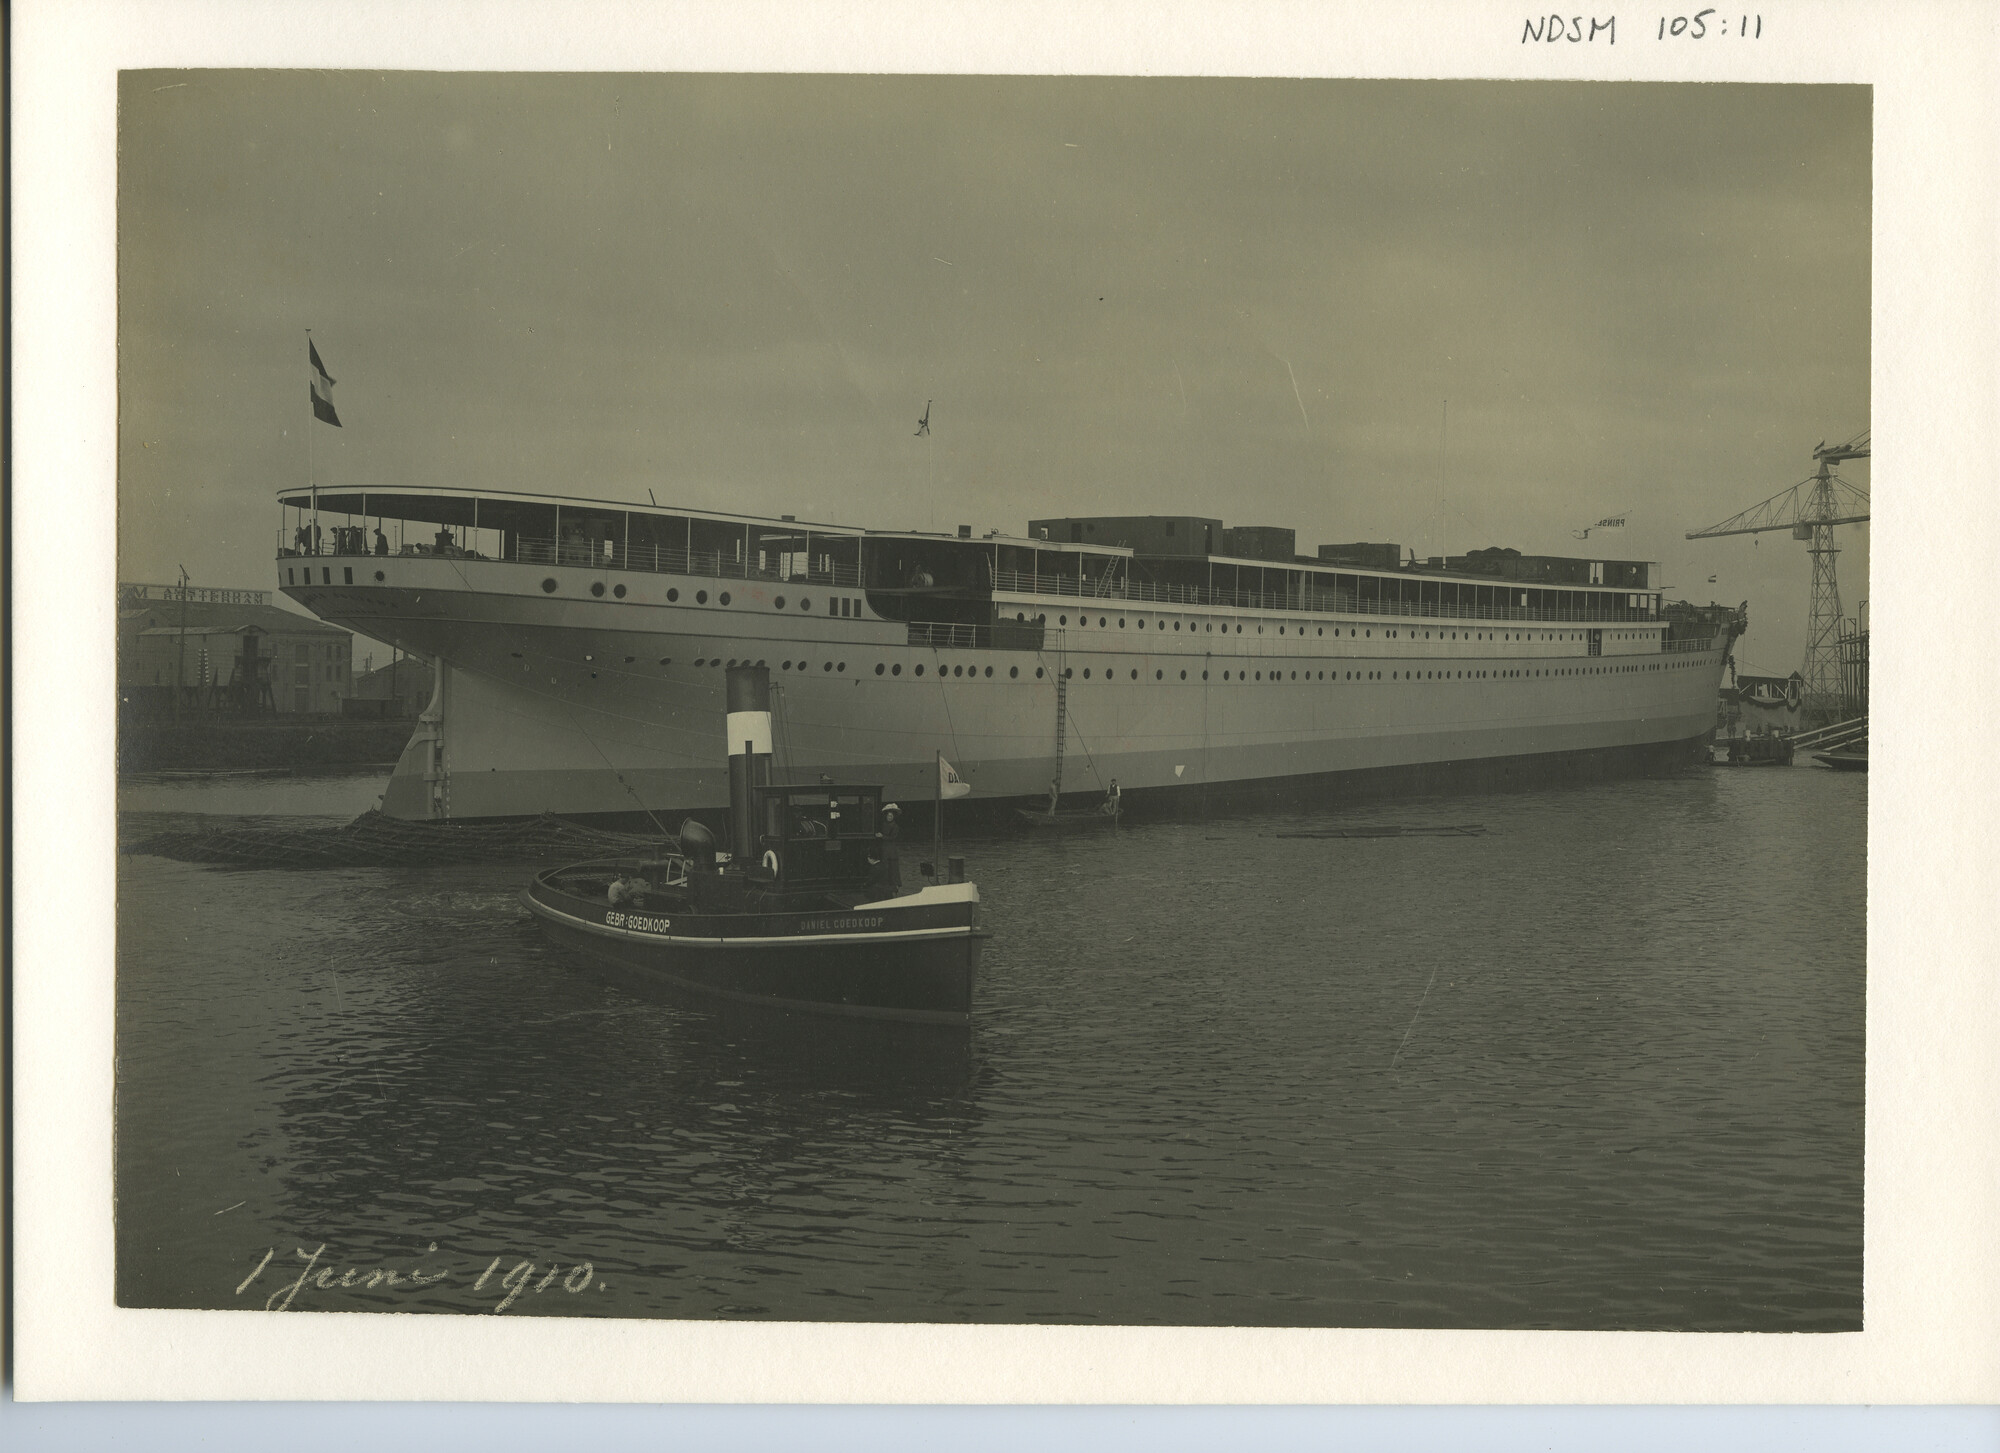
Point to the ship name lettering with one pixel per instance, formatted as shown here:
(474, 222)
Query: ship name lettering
(638, 921)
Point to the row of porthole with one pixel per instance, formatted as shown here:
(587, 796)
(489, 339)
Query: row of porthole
(1069, 672)
(549, 586)
(1209, 626)
(848, 606)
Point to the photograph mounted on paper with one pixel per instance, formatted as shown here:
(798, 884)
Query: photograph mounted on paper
(993, 700)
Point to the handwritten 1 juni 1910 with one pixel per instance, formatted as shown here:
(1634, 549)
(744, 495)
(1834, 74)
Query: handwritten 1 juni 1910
(509, 1286)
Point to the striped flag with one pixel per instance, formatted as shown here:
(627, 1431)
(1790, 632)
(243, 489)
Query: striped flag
(322, 389)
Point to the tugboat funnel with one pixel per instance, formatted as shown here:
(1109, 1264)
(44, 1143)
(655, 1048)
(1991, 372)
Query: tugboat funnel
(748, 701)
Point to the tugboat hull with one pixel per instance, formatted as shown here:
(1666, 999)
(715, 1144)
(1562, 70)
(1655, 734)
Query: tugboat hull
(912, 959)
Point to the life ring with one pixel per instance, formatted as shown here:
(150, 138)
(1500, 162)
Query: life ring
(1792, 696)
(771, 860)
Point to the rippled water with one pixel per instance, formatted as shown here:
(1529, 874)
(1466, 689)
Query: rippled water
(1601, 1067)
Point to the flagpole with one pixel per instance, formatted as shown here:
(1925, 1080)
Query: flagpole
(312, 485)
(937, 816)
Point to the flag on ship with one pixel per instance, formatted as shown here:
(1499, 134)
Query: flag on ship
(949, 782)
(322, 389)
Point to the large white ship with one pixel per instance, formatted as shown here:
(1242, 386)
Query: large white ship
(581, 645)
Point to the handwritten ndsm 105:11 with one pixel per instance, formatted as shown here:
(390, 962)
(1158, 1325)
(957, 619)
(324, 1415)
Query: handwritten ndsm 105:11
(1581, 30)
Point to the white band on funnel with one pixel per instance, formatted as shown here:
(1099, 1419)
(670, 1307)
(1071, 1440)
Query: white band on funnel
(753, 727)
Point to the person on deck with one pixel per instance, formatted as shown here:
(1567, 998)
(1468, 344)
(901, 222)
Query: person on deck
(442, 545)
(892, 847)
(381, 541)
(1055, 795)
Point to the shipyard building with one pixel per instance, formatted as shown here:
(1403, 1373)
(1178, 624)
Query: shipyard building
(227, 651)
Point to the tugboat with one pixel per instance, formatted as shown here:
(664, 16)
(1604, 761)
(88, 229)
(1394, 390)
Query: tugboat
(807, 913)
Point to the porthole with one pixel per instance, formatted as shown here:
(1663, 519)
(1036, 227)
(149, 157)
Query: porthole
(732, 663)
(1100, 621)
(672, 594)
(1038, 673)
(958, 670)
(1177, 625)
(779, 603)
(549, 585)
(722, 599)
(1183, 675)
(630, 659)
(897, 669)
(920, 671)
(879, 668)
(1319, 630)
(1142, 624)
(666, 660)
(1260, 675)
(619, 591)
(1135, 673)
(1069, 671)
(597, 588)
(1013, 672)
(1281, 630)
(1225, 676)
(1159, 675)
(1086, 673)
(379, 576)
(1062, 620)
(805, 604)
(1204, 676)
(701, 597)
(989, 670)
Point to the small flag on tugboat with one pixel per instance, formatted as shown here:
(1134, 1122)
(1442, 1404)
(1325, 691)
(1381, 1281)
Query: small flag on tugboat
(322, 389)
(949, 782)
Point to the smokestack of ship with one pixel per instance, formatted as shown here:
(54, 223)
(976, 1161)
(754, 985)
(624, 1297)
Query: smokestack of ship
(748, 698)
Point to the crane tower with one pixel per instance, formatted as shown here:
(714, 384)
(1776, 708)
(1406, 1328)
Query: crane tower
(1810, 509)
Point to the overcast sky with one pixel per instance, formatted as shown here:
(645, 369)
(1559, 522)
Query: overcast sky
(1242, 298)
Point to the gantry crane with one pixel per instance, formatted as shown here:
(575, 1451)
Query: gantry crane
(1810, 509)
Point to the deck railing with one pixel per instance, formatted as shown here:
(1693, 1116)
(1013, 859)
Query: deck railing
(1324, 601)
(674, 560)
(612, 555)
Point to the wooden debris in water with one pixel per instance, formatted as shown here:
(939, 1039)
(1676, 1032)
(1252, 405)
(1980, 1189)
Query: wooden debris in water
(372, 841)
(1462, 829)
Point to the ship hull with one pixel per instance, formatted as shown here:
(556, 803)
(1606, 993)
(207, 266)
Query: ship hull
(596, 708)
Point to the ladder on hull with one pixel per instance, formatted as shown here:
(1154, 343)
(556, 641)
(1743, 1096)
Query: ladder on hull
(1062, 726)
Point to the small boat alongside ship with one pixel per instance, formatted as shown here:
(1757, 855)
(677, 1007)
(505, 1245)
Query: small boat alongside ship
(1754, 749)
(807, 913)
(1057, 818)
